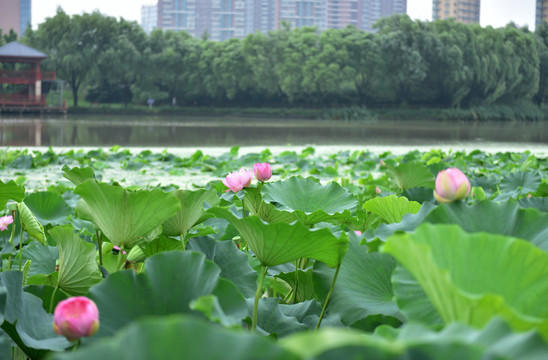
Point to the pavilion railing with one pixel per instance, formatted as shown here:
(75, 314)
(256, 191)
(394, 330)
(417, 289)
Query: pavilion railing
(22, 100)
(24, 76)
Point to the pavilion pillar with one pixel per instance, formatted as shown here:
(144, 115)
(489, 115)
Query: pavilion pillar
(38, 87)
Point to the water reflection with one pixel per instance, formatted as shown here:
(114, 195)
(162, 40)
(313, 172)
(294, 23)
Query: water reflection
(193, 132)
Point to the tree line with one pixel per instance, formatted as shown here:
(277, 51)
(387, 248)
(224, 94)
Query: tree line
(441, 64)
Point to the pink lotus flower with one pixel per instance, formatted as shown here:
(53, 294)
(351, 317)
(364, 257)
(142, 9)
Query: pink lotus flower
(451, 185)
(262, 171)
(5, 221)
(236, 181)
(76, 317)
(378, 190)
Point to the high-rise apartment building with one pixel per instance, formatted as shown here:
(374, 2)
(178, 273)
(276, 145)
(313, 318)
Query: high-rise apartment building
(149, 17)
(229, 18)
(177, 15)
(541, 12)
(16, 15)
(224, 19)
(465, 11)
(373, 10)
(263, 21)
(217, 19)
(342, 13)
(299, 13)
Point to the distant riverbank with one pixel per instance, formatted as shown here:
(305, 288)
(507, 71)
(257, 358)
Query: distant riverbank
(484, 113)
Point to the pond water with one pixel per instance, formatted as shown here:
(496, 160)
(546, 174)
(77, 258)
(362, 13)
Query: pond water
(193, 131)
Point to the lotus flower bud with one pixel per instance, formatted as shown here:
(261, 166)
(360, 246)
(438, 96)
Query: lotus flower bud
(76, 317)
(262, 171)
(236, 181)
(5, 221)
(451, 185)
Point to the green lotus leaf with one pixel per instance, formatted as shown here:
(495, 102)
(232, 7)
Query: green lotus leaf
(254, 203)
(191, 212)
(303, 285)
(23, 161)
(180, 337)
(170, 281)
(410, 175)
(419, 194)
(10, 191)
(78, 269)
(308, 313)
(412, 300)
(408, 223)
(416, 341)
(47, 294)
(78, 175)
(43, 258)
(309, 201)
(472, 278)
(49, 208)
(540, 204)
(225, 305)
(495, 218)
(159, 245)
(520, 183)
(278, 243)
(272, 320)
(25, 320)
(234, 264)
(391, 208)
(332, 343)
(124, 217)
(363, 287)
(6, 350)
(30, 224)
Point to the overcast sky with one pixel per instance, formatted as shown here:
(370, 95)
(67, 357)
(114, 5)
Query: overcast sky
(496, 13)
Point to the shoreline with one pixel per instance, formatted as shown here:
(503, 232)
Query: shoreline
(489, 147)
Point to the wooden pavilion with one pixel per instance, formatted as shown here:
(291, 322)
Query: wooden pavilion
(29, 94)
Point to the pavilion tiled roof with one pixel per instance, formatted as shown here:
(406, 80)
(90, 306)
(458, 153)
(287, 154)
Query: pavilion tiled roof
(15, 49)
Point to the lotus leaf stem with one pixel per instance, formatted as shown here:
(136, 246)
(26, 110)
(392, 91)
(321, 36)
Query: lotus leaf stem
(20, 243)
(100, 246)
(257, 297)
(328, 298)
(11, 241)
(183, 243)
(52, 301)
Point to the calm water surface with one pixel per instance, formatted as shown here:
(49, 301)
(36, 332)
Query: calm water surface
(146, 131)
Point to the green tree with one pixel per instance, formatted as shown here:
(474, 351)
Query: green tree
(261, 56)
(8, 37)
(169, 66)
(363, 62)
(541, 36)
(74, 45)
(119, 65)
(405, 66)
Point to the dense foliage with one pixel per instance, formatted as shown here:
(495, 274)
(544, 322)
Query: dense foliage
(440, 64)
(336, 256)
